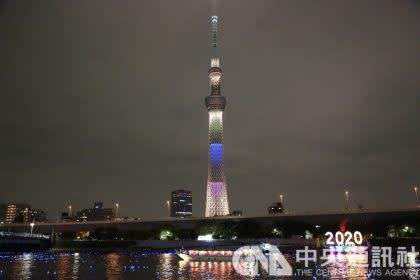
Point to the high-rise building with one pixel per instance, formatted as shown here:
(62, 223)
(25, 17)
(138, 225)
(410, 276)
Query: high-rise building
(217, 198)
(181, 203)
(9, 211)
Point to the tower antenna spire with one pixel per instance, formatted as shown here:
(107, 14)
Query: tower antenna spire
(214, 21)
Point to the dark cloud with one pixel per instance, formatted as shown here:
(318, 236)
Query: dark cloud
(104, 100)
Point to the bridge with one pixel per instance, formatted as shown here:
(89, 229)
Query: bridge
(352, 217)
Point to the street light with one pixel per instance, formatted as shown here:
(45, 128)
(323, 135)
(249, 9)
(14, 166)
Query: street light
(417, 195)
(281, 201)
(32, 227)
(70, 211)
(116, 209)
(167, 203)
(347, 199)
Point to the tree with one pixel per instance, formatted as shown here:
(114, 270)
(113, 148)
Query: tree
(106, 234)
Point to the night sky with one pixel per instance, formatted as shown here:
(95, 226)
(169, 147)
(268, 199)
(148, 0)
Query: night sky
(104, 100)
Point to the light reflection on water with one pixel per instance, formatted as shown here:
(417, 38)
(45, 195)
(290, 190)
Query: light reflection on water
(23, 266)
(63, 266)
(113, 268)
(347, 267)
(75, 267)
(142, 265)
(208, 270)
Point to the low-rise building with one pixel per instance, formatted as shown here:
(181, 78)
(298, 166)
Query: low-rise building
(236, 213)
(31, 216)
(276, 208)
(97, 213)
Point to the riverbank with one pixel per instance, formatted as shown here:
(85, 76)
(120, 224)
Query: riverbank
(23, 242)
(175, 244)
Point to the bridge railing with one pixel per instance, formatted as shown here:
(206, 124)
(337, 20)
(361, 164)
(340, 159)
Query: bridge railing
(24, 234)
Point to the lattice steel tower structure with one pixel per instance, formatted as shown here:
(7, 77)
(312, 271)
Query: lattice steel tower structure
(217, 199)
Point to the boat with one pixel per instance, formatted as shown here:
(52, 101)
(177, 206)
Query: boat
(221, 254)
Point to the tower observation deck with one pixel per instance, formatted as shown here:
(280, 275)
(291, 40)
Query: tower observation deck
(217, 198)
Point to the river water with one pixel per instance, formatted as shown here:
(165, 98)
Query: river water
(125, 265)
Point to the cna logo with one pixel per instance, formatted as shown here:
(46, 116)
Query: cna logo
(245, 261)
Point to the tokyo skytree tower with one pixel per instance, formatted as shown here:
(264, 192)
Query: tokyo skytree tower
(217, 199)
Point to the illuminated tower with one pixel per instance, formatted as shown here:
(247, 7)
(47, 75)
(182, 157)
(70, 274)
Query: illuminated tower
(217, 199)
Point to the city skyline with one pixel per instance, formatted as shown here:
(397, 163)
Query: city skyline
(107, 104)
